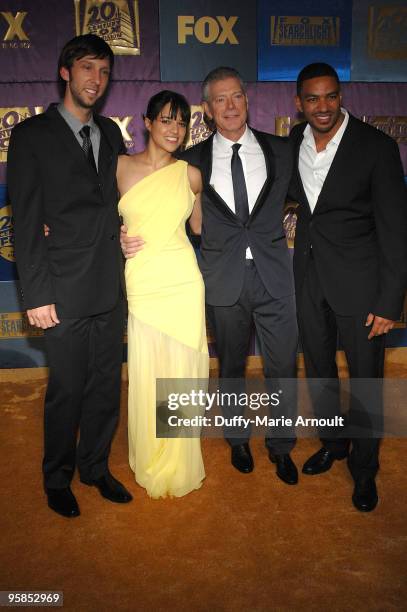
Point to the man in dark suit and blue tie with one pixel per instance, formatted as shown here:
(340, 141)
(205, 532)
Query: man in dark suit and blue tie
(61, 172)
(350, 262)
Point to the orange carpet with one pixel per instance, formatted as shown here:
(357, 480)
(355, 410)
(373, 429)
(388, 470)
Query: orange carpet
(241, 542)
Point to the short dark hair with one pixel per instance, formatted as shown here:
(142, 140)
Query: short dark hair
(80, 46)
(312, 71)
(218, 74)
(177, 103)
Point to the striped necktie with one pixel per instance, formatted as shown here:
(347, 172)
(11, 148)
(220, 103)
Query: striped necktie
(87, 146)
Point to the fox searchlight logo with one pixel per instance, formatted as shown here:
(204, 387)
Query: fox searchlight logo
(116, 21)
(294, 31)
(15, 36)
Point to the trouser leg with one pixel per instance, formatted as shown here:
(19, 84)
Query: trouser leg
(318, 336)
(232, 327)
(67, 346)
(101, 398)
(366, 363)
(276, 325)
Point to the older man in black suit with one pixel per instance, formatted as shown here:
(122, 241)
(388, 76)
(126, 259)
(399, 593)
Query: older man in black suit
(61, 172)
(350, 261)
(245, 260)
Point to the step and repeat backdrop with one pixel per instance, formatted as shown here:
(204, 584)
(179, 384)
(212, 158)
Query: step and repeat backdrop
(173, 44)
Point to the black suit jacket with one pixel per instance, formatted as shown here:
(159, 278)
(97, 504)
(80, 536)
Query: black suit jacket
(225, 238)
(358, 229)
(79, 267)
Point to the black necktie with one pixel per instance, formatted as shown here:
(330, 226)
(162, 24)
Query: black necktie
(239, 185)
(87, 146)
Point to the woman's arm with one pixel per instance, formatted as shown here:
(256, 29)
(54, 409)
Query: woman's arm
(130, 245)
(195, 220)
(195, 182)
(121, 165)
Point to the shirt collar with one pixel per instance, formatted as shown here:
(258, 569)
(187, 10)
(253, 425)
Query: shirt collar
(73, 122)
(225, 144)
(336, 138)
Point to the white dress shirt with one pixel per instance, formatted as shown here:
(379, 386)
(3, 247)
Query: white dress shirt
(254, 169)
(314, 166)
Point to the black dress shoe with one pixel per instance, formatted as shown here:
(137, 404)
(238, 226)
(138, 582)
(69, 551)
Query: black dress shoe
(110, 488)
(242, 458)
(365, 494)
(286, 468)
(322, 461)
(63, 502)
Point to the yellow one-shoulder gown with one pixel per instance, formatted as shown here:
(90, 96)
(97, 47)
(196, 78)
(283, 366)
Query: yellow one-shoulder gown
(166, 326)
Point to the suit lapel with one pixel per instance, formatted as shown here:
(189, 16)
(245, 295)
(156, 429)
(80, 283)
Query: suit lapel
(270, 169)
(65, 135)
(105, 150)
(297, 146)
(206, 169)
(340, 163)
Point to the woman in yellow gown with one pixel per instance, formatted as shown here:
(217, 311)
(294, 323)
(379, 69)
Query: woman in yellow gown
(165, 293)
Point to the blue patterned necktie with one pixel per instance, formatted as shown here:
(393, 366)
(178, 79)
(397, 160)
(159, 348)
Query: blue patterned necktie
(87, 146)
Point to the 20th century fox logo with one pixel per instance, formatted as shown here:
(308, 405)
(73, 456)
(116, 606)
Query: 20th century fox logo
(116, 21)
(14, 35)
(9, 117)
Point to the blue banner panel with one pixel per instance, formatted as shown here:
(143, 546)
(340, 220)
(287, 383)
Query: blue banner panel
(379, 40)
(294, 33)
(21, 346)
(8, 270)
(199, 35)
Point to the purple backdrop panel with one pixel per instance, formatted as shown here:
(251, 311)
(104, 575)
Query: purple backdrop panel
(271, 107)
(28, 42)
(33, 33)
(127, 102)
(18, 102)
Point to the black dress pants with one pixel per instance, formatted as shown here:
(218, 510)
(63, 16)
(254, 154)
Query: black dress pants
(319, 327)
(83, 394)
(276, 325)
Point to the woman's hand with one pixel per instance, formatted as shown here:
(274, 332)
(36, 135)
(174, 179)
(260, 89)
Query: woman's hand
(130, 244)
